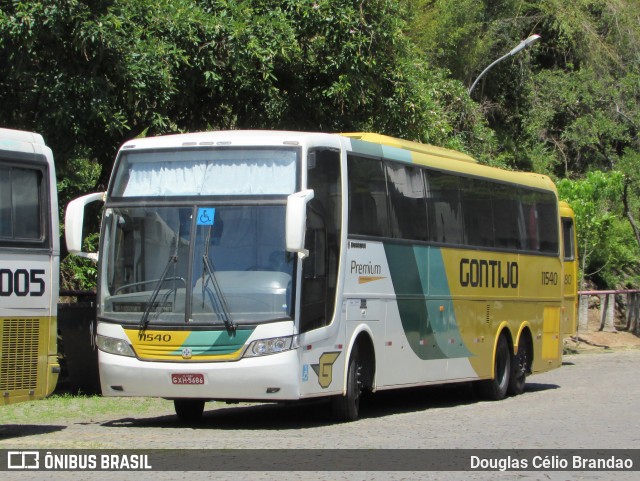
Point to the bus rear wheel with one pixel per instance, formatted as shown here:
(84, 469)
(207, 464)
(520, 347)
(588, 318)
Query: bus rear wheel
(496, 389)
(520, 369)
(189, 410)
(346, 408)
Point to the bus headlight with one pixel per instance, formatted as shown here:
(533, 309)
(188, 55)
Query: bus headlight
(275, 345)
(114, 346)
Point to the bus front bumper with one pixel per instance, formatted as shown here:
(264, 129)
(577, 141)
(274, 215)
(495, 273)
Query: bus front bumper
(267, 378)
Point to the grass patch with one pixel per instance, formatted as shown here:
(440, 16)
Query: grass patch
(78, 408)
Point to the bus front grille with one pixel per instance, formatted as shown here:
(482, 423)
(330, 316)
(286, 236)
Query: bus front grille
(19, 354)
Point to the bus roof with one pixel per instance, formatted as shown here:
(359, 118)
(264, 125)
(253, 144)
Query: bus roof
(441, 159)
(361, 142)
(426, 149)
(232, 137)
(565, 209)
(19, 140)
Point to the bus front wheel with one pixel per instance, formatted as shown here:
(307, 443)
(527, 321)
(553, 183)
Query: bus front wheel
(496, 388)
(346, 408)
(189, 410)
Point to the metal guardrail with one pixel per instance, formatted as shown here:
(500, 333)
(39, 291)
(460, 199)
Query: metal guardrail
(607, 309)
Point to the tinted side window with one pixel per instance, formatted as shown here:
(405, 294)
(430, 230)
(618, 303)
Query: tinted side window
(541, 222)
(21, 205)
(507, 217)
(367, 197)
(444, 208)
(567, 236)
(548, 220)
(6, 212)
(407, 203)
(478, 215)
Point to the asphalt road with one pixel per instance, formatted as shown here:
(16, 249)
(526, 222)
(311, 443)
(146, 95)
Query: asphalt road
(589, 403)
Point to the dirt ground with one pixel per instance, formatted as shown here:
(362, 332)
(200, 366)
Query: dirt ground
(595, 339)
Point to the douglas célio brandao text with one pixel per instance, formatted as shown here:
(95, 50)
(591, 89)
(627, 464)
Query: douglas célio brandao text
(573, 462)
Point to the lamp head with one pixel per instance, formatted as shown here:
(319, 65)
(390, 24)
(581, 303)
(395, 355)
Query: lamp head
(525, 43)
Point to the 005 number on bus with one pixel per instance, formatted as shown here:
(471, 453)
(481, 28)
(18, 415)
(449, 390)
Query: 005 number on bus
(22, 282)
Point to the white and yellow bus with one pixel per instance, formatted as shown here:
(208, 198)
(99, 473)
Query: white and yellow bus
(29, 268)
(276, 266)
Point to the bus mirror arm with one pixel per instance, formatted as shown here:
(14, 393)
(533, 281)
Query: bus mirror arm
(74, 221)
(296, 221)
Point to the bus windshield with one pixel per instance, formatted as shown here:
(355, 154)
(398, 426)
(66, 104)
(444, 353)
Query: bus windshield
(199, 264)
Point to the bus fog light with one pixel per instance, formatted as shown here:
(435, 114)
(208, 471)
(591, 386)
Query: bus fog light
(264, 347)
(111, 345)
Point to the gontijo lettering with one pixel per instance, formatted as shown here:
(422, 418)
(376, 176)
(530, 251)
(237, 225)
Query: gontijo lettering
(488, 273)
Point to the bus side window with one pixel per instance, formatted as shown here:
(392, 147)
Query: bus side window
(368, 211)
(548, 219)
(407, 202)
(478, 219)
(443, 201)
(507, 217)
(22, 205)
(5, 203)
(567, 236)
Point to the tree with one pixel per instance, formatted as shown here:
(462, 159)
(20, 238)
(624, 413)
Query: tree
(605, 241)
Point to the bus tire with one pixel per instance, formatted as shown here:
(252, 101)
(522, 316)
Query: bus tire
(496, 389)
(346, 408)
(189, 410)
(520, 368)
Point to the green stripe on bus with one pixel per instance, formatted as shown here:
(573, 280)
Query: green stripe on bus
(214, 342)
(366, 148)
(417, 273)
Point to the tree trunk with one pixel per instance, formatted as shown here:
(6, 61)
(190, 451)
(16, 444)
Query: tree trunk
(627, 211)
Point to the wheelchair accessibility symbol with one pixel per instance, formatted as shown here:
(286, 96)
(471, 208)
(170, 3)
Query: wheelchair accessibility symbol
(206, 215)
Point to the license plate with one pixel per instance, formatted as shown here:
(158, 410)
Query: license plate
(187, 378)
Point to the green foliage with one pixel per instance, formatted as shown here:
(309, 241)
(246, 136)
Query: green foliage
(576, 91)
(605, 240)
(89, 75)
(568, 107)
(575, 115)
(79, 273)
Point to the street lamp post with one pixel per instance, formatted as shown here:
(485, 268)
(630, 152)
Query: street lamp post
(522, 45)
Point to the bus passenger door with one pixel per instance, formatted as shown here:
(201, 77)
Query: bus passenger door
(322, 364)
(322, 240)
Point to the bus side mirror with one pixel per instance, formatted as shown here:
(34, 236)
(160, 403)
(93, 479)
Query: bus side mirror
(296, 221)
(74, 221)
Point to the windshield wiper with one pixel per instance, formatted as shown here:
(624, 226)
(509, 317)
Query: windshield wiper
(144, 320)
(219, 302)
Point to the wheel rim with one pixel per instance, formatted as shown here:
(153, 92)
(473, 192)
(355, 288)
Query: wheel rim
(356, 385)
(523, 359)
